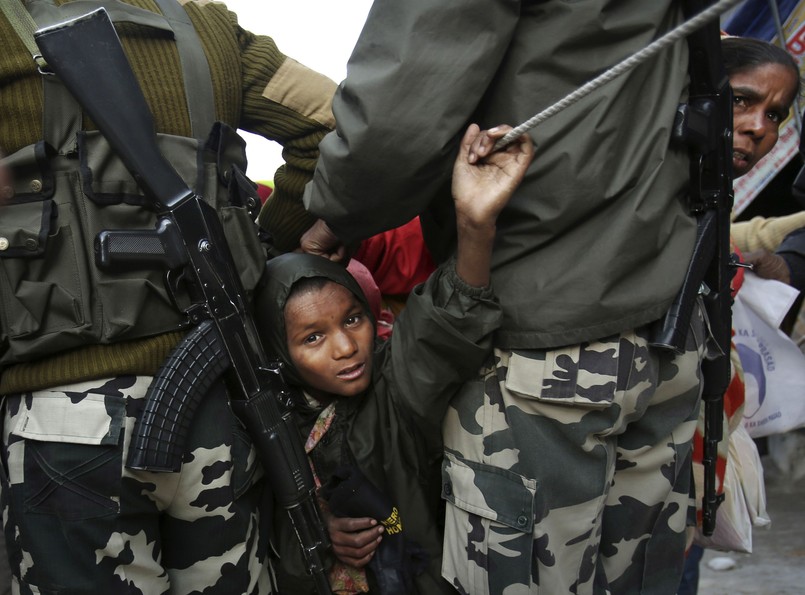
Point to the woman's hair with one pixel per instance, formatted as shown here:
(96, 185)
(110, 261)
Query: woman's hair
(742, 54)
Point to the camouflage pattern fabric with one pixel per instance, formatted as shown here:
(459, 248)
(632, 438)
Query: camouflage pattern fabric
(5, 570)
(568, 470)
(77, 520)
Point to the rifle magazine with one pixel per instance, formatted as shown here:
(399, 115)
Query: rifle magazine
(185, 378)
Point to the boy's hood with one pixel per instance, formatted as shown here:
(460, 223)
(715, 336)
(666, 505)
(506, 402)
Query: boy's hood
(279, 277)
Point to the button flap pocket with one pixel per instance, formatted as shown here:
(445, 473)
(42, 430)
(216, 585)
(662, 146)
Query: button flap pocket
(32, 177)
(580, 375)
(26, 211)
(95, 419)
(490, 492)
(105, 180)
(24, 228)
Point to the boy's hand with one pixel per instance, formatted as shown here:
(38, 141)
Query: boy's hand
(354, 539)
(483, 180)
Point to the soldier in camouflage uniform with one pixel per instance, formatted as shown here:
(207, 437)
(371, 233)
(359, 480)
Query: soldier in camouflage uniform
(79, 345)
(108, 529)
(557, 461)
(567, 463)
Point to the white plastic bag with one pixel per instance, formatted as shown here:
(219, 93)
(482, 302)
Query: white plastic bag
(773, 365)
(744, 503)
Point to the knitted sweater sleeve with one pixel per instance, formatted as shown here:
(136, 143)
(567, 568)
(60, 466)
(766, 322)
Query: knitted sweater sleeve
(291, 104)
(764, 233)
(279, 99)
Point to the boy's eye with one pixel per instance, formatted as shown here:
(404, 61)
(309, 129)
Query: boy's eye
(354, 319)
(739, 100)
(775, 117)
(311, 339)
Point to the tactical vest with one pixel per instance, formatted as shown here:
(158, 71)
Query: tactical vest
(70, 186)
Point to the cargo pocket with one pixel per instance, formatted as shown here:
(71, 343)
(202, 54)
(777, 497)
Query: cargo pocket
(247, 251)
(73, 454)
(489, 524)
(44, 281)
(235, 197)
(133, 299)
(583, 376)
(34, 299)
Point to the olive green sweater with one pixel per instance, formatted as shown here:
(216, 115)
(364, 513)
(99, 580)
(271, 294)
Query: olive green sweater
(256, 88)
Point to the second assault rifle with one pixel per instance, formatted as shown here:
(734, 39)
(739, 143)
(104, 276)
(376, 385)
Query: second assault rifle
(704, 126)
(86, 54)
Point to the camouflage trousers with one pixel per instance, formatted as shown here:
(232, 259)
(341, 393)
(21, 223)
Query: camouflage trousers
(77, 521)
(568, 470)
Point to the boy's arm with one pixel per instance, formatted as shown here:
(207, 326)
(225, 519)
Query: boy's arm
(483, 182)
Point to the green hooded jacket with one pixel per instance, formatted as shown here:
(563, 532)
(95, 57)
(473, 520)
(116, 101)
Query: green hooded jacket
(392, 433)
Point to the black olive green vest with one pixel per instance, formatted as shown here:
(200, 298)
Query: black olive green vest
(69, 186)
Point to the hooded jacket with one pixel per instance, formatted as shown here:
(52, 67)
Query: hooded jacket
(392, 432)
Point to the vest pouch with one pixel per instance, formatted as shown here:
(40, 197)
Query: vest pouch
(247, 250)
(25, 227)
(133, 302)
(33, 177)
(44, 276)
(54, 296)
(236, 199)
(106, 181)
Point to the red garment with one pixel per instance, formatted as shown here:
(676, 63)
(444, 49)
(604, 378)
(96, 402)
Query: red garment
(738, 278)
(398, 259)
(264, 191)
(383, 316)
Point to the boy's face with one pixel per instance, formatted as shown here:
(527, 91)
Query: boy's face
(330, 341)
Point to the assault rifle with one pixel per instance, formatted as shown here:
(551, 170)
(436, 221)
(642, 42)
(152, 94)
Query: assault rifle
(704, 126)
(86, 54)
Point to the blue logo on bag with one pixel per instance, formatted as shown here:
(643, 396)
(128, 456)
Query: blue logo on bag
(752, 363)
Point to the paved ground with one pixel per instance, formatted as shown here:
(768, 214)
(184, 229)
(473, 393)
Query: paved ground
(776, 565)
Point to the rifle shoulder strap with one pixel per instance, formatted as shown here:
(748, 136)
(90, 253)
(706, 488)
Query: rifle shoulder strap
(24, 25)
(195, 69)
(62, 116)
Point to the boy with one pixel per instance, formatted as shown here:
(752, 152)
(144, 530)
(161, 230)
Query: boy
(380, 411)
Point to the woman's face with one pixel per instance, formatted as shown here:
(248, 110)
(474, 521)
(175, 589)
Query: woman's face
(330, 341)
(761, 100)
